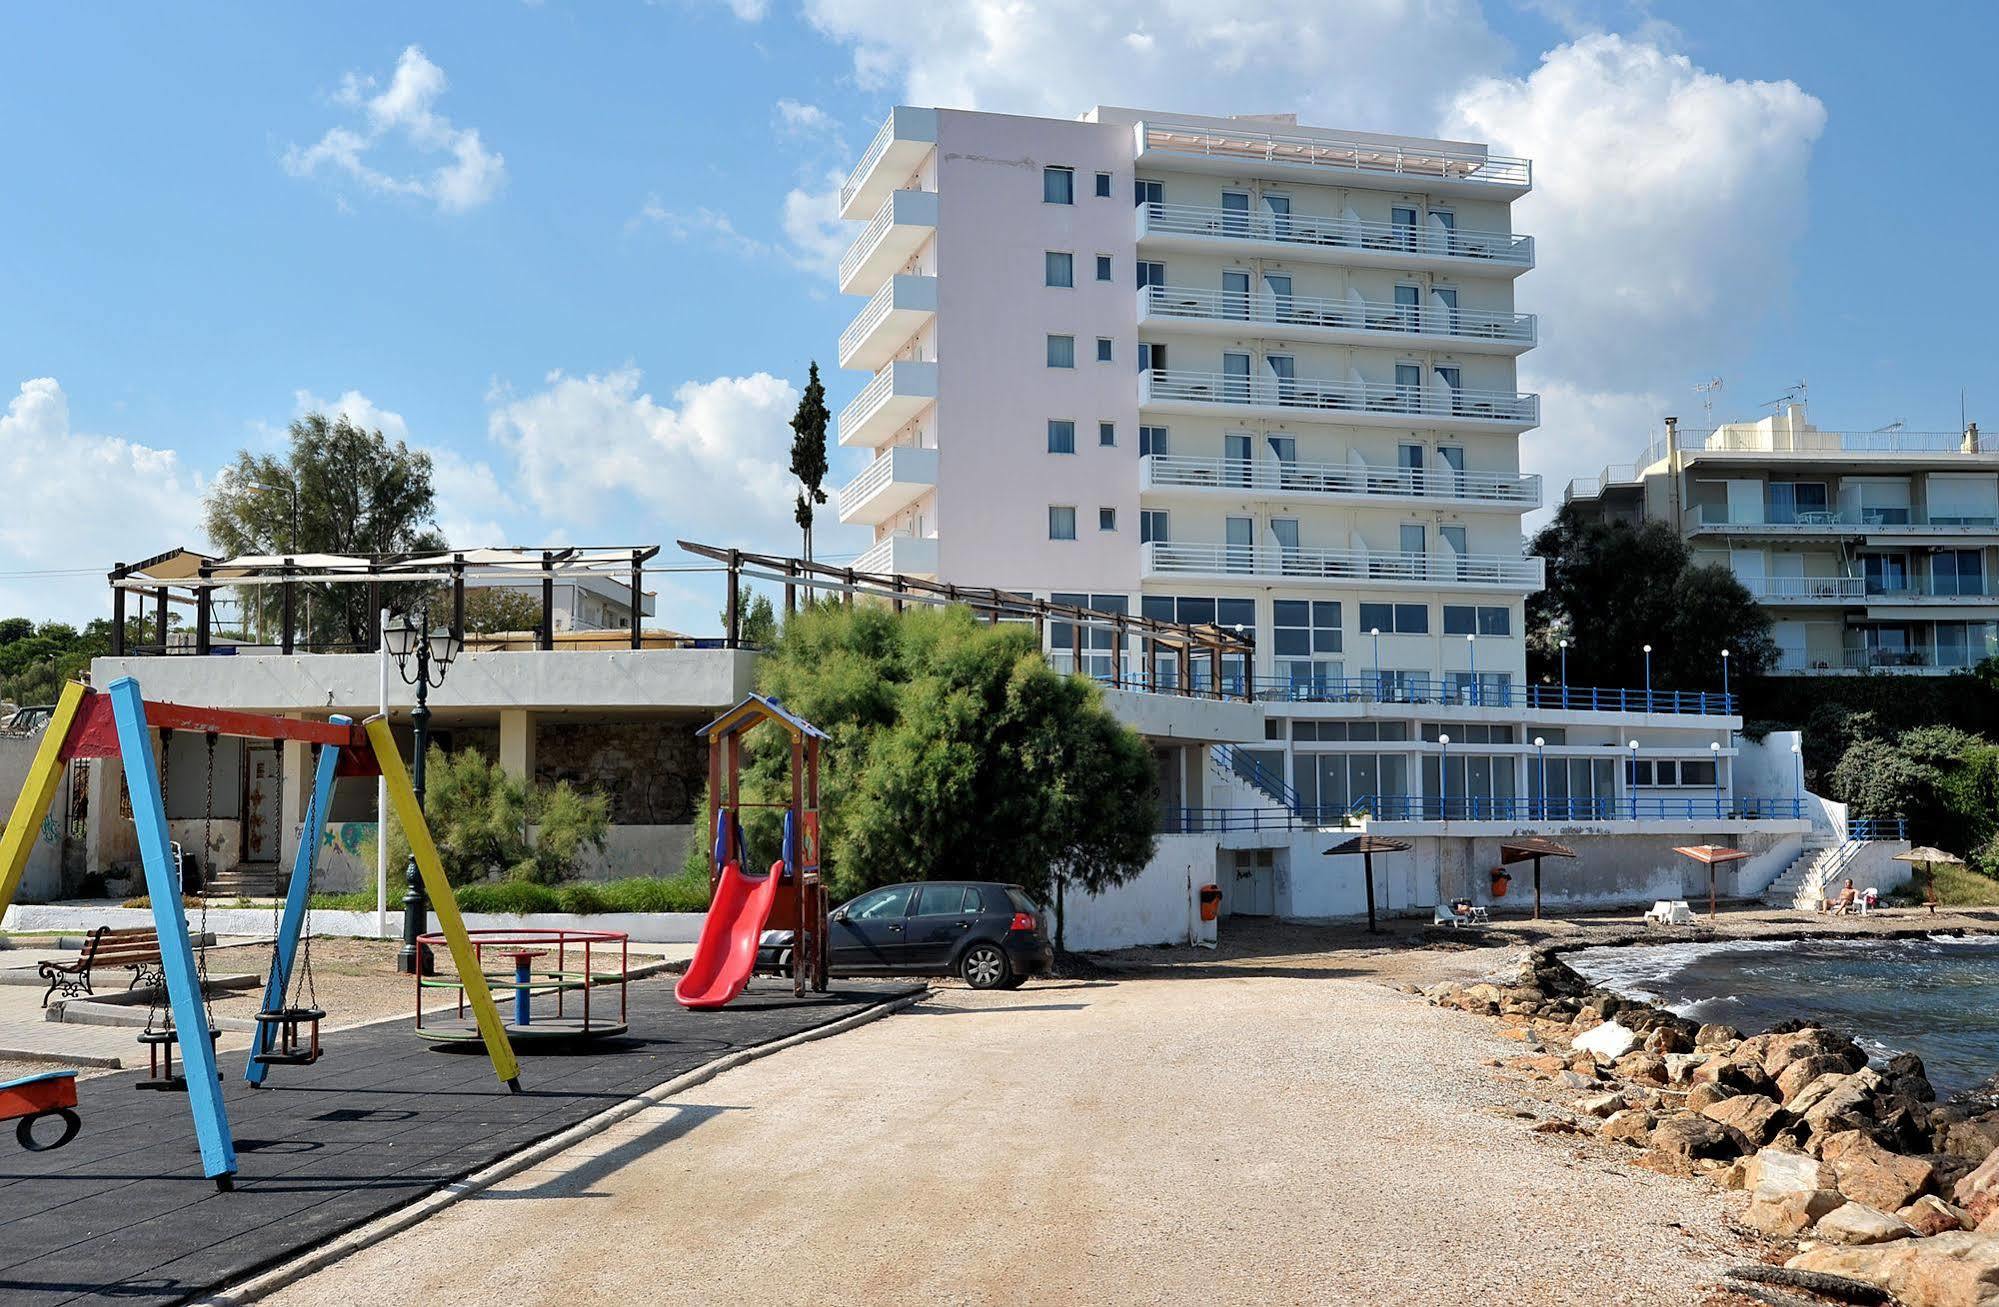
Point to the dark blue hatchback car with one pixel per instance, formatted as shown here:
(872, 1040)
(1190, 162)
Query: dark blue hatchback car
(987, 934)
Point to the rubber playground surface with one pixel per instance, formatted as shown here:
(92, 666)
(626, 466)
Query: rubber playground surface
(383, 1119)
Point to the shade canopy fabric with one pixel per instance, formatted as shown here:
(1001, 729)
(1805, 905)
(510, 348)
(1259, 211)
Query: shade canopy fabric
(1711, 853)
(1532, 846)
(1370, 844)
(1927, 854)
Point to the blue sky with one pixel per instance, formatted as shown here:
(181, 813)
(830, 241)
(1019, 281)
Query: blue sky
(582, 251)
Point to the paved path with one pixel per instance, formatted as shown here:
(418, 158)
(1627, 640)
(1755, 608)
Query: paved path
(1311, 1137)
(383, 1119)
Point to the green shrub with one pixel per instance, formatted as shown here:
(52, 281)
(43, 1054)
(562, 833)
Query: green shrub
(680, 893)
(479, 818)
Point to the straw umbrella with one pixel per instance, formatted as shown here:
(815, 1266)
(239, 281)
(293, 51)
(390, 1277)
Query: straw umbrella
(1710, 855)
(1367, 846)
(1536, 848)
(1929, 858)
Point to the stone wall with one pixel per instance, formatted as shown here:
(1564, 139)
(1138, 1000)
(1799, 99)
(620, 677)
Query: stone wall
(651, 770)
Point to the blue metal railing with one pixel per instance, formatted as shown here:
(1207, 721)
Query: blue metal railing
(1203, 821)
(1877, 828)
(1233, 761)
(1412, 690)
(1474, 807)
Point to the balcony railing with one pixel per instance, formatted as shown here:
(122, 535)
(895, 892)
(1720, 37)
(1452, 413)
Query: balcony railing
(1920, 656)
(1642, 807)
(1702, 516)
(870, 317)
(914, 211)
(1416, 164)
(1333, 397)
(1753, 441)
(1390, 239)
(1502, 571)
(869, 158)
(1805, 588)
(1929, 587)
(1292, 312)
(1270, 476)
(1467, 693)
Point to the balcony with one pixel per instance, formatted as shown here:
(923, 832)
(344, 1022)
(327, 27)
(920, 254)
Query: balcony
(1166, 475)
(1917, 659)
(1746, 439)
(1349, 403)
(1352, 321)
(1510, 573)
(898, 311)
(1347, 241)
(905, 220)
(890, 484)
(1805, 589)
(905, 555)
(1433, 168)
(900, 145)
(1782, 520)
(897, 395)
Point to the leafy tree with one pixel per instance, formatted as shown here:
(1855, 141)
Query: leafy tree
(955, 751)
(480, 818)
(497, 609)
(1614, 588)
(35, 660)
(757, 618)
(808, 452)
(357, 493)
(14, 629)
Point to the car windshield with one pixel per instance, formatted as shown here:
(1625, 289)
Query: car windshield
(890, 902)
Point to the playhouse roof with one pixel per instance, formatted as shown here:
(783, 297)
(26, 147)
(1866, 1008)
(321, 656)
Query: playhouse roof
(756, 708)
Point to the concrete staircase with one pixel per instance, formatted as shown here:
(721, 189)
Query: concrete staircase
(1784, 891)
(247, 882)
(1262, 800)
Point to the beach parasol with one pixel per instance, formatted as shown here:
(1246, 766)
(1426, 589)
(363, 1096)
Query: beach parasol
(1710, 854)
(1929, 858)
(1535, 848)
(1367, 846)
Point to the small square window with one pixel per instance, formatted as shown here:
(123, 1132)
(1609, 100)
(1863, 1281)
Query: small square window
(1061, 523)
(1104, 185)
(1058, 269)
(1103, 267)
(1061, 436)
(1103, 349)
(1061, 351)
(1107, 519)
(1058, 185)
(1107, 433)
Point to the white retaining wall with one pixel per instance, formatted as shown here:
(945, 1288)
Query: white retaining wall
(1159, 906)
(645, 927)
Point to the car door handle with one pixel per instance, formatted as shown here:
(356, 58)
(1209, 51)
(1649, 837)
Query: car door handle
(895, 930)
(964, 925)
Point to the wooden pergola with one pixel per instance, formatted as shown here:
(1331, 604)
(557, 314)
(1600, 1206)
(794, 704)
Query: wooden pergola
(1367, 846)
(1533, 848)
(1710, 855)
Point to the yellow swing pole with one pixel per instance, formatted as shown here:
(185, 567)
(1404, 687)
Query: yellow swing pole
(18, 841)
(403, 797)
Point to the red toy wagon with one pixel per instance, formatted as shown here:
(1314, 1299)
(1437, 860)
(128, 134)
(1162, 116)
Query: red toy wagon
(33, 1098)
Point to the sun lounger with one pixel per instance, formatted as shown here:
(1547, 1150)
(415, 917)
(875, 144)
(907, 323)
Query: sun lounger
(1671, 912)
(1445, 917)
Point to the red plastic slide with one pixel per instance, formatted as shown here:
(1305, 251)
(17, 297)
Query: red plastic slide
(727, 953)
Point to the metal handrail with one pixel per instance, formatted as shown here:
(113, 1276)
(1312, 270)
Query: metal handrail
(1386, 688)
(1316, 393)
(1512, 571)
(870, 398)
(872, 155)
(1724, 441)
(1230, 761)
(1439, 163)
(868, 318)
(871, 235)
(1269, 309)
(1806, 587)
(1473, 807)
(1269, 474)
(1356, 233)
(1880, 519)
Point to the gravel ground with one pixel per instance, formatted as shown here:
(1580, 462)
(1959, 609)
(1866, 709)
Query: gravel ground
(1266, 1128)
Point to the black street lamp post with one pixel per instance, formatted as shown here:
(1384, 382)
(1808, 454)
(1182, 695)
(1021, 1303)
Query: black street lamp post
(422, 657)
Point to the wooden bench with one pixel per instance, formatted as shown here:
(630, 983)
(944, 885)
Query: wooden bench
(135, 949)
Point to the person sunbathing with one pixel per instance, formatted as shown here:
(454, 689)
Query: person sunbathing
(1847, 898)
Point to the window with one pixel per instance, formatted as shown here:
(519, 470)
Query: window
(1235, 213)
(1058, 185)
(1413, 538)
(1464, 619)
(882, 905)
(1061, 436)
(1958, 572)
(1061, 523)
(1151, 273)
(1301, 628)
(1058, 269)
(1061, 351)
(1235, 294)
(1103, 267)
(1151, 356)
(1103, 185)
(1103, 349)
(1404, 221)
(1145, 192)
(1153, 440)
(1152, 525)
(944, 901)
(1107, 519)
(1107, 433)
(1395, 619)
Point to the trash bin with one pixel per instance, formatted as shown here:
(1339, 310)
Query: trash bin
(1501, 878)
(1211, 902)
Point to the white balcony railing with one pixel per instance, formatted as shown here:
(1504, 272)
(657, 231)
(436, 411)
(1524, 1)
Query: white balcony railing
(869, 318)
(913, 211)
(1355, 315)
(1831, 589)
(1373, 397)
(1417, 164)
(867, 498)
(1513, 572)
(1270, 476)
(869, 158)
(900, 552)
(1751, 441)
(914, 296)
(1385, 238)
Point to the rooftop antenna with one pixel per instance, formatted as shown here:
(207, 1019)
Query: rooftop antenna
(1706, 391)
(1795, 395)
(1890, 429)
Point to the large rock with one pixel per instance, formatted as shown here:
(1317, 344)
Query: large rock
(1641, 1068)
(1632, 1126)
(1857, 1223)
(1714, 1035)
(1701, 1096)
(1868, 1173)
(1844, 1106)
(1978, 1193)
(1782, 1050)
(1905, 1074)
(1602, 1105)
(1930, 1215)
(1734, 1071)
(1607, 1042)
(1681, 1141)
(1774, 1172)
(1950, 1270)
(1757, 1117)
(1973, 1137)
(1664, 1039)
(1792, 1079)
(1680, 1067)
(1790, 1214)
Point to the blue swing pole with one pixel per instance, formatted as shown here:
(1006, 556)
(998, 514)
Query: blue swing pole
(297, 895)
(149, 817)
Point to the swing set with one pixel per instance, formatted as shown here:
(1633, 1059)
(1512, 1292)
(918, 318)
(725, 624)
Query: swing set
(118, 722)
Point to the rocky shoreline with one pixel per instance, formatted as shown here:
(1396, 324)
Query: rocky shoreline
(1883, 1187)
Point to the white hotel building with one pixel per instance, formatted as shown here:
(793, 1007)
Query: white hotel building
(1236, 370)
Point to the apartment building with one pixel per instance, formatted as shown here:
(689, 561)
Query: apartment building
(1874, 550)
(1243, 371)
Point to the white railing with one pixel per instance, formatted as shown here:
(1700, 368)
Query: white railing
(871, 482)
(1806, 587)
(1416, 163)
(1351, 396)
(1504, 571)
(1274, 310)
(876, 148)
(870, 317)
(880, 556)
(1521, 490)
(872, 396)
(1615, 474)
(1848, 442)
(1351, 233)
(871, 236)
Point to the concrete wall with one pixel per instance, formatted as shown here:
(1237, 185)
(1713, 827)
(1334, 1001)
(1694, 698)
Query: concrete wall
(42, 878)
(1159, 906)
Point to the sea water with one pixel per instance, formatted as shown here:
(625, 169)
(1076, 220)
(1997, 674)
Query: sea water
(1936, 997)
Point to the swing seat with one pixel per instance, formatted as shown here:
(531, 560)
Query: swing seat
(160, 1072)
(280, 1037)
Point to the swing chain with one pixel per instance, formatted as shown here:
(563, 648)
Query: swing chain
(158, 990)
(207, 875)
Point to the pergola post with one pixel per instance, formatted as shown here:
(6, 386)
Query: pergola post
(545, 638)
(733, 616)
(160, 617)
(791, 587)
(287, 599)
(117, 611)
(457, 599)
(1367, 870)
(638, 597)
(203, 606)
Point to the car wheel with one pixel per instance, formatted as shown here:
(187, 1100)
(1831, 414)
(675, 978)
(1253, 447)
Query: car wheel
(984, 967)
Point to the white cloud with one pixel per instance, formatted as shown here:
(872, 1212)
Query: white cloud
(405, 111)
(356, 408)
(803, 120)
(813, 226)
(88, 501)
(700, 224)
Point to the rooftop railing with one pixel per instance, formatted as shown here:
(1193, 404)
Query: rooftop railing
(1416, 163)
(1389, 238)
(1327, 396)
(1293, 311)
(1639, 807)
(1502, 571)
(1273, 476)
(1879, 519)
(1755, 441)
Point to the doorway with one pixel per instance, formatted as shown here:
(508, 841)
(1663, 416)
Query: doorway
(262, 804)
